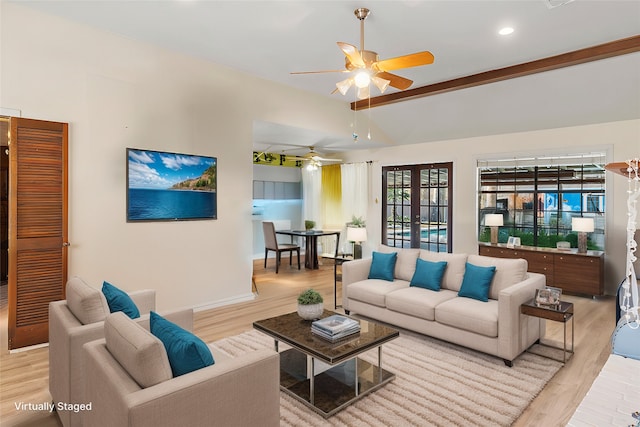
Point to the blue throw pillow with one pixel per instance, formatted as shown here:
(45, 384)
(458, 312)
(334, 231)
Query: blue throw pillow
(428, 274)
(476, 282)
(186, 352)
(118, 300)
(383, 266)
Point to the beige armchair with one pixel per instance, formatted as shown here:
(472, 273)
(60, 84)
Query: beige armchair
(76, 321)
(129, 383)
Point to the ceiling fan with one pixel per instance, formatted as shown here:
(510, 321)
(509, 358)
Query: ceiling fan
(313, 159)
(367, 68)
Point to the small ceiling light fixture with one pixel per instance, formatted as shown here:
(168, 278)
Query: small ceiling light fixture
(362, 79)
(506, 31)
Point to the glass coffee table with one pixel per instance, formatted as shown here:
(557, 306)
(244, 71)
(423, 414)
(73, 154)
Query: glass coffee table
(326, 376)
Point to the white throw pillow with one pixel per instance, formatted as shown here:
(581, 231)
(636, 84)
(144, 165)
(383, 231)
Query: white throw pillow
(86, 303)
(139, 352)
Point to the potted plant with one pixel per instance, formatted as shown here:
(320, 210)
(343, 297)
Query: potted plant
(308, 224)
(310, 305)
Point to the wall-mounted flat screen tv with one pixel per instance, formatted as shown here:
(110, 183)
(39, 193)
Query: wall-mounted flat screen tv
(164, 186)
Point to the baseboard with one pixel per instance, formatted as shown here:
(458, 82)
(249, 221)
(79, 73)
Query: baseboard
(227, 301)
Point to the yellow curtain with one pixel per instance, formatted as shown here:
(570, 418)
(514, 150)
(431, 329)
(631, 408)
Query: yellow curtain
(331, 197)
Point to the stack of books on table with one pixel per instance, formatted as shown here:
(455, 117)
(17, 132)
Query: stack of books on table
(335, 327)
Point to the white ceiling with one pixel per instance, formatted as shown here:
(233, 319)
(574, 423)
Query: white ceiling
(270, 39)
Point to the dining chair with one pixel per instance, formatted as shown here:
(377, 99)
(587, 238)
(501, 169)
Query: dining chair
(271, 244)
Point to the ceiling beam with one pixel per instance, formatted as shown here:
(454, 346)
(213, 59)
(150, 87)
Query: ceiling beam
(581, 56)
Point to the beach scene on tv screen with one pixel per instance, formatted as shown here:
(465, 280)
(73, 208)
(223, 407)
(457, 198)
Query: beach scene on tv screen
(170, 186)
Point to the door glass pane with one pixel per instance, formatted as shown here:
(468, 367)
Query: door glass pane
(422, 221)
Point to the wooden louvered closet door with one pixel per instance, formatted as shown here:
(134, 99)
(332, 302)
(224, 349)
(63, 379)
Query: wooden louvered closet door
(37, 226)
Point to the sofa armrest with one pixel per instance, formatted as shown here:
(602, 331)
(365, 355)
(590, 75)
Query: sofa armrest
(352, 272)
(517, 331)
(235, 392)
(144, 299)
(355, 271)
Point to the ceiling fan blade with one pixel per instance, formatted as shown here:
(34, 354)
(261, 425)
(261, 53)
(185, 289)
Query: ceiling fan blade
(395, 80)
(352, 53)
(406, 61)
(322, 159)
(318, 72)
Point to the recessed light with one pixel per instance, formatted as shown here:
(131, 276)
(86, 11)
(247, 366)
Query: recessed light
(506, 31)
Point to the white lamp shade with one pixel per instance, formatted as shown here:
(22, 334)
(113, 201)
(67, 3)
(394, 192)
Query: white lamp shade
(363, 92)
(584, 225)
(356, 234)
(493, 220)
(381, 84)
(344, 85)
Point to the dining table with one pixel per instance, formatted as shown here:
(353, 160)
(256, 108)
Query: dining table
(311, 243)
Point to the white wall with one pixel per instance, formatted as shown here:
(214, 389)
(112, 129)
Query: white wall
(620, 139)
(117, 93)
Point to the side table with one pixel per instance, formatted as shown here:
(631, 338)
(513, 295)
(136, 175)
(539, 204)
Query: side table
(562, 313)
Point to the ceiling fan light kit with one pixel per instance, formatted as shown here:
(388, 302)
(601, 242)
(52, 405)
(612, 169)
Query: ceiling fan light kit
(368, 68)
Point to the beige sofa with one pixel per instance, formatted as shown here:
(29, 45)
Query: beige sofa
(495, 327)
(76, 321)
(129, 383)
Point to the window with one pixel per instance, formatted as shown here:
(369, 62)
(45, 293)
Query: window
(417, 206)
(538, 197)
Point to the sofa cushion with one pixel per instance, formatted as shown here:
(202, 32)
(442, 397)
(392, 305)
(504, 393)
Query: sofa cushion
(86, 303)
(373, 291)
(476, 282)
(508, 271)
(140, 353)
(383, 266)
(406, 262)
(428, 274)
(470, 315)
(118, 300)
(186, 352)
(452, 278)
(417, 302)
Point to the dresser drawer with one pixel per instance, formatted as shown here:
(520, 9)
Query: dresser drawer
(579, 274)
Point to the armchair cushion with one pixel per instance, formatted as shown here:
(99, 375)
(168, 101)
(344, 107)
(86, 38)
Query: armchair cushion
(140, 353)
(118, 300)
(87, 304)
(186, 352)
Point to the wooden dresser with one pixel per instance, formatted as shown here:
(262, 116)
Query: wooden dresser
(572, 272)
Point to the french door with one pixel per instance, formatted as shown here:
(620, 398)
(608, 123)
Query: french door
(37, 226)
(417, 208)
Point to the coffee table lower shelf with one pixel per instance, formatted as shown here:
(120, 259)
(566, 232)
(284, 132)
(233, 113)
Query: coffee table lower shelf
(333, 388)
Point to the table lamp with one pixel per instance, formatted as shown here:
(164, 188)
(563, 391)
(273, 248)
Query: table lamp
(494, 221)
(582, 226)
(357, 236)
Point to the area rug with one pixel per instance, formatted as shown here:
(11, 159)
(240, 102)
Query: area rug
(436, 384)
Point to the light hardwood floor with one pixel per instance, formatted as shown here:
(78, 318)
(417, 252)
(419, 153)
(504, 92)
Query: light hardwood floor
(24, 375)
